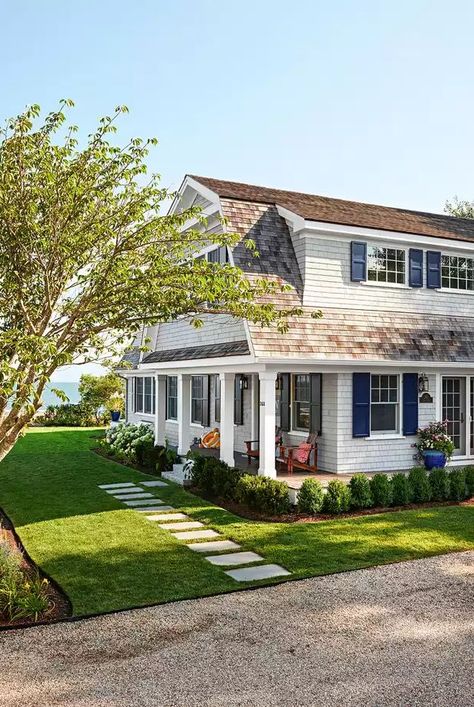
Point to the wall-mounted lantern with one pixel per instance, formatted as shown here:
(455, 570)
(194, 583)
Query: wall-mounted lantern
(244, 383)
(423, 383)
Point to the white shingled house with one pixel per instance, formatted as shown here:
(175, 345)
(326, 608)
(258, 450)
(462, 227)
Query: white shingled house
(393, 351)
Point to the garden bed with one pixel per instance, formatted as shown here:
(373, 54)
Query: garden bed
(294, 516)
(58, 605)
(131, 465)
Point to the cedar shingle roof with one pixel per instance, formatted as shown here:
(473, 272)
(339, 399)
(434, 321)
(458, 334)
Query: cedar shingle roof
(232, 348)
(344, 334)
(347, 213)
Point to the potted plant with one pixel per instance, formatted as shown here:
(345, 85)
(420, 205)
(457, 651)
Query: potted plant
(115, 405)
(435, 447)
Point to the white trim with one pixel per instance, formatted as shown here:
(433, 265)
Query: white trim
(380, 436)
(431, 242)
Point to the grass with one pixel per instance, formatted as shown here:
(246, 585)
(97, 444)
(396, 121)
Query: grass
(107, 558)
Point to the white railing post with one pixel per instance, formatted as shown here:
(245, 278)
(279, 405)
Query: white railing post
(184, 413)
(267, 423)
(227, 418)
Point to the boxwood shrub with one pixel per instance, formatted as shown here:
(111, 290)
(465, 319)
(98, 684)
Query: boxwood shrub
(381, 490)
(419, 485)
(401, 491)
(337, 498)
(310, 496)
(263, 494)
(469, 474)
(457, 485)
(439, 484)
(361, 496)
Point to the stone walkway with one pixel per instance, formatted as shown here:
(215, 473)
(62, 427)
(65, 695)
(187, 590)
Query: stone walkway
(184, 528)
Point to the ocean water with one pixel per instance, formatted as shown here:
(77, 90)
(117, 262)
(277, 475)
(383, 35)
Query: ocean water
(70, 388)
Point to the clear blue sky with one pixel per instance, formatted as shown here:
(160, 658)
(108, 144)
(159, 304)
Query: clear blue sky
(366, 100)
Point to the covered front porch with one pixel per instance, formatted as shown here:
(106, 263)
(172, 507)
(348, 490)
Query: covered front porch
(245, 406)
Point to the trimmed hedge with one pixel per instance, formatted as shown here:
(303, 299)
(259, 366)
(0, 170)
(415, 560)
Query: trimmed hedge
(337, 498)
(457, 485)
(310, 496)
(381, 490)
(469, 473)
(419, 484)
(440, 484)
(361, 496)
(263, 494)
(401, 491)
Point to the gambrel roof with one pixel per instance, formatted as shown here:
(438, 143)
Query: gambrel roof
(348, 213)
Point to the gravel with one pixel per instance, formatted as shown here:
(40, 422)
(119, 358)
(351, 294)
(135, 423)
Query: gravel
(396, 635)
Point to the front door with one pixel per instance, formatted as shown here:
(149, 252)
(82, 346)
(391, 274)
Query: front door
(454, 406)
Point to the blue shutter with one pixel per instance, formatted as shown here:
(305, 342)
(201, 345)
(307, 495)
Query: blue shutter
(410, 403)
(415, 268)
(358, 261)
(360, 404)
(433, 269)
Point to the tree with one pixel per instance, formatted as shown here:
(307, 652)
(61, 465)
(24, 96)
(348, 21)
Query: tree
(86, 257)
(98, 391)
(460, 208)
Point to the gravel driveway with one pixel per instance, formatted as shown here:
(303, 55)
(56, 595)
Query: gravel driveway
(396, 635)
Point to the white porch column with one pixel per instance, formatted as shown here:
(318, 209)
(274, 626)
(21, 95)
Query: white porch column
(184, 413)
(227, 418)
(267, 424)
(160, 408)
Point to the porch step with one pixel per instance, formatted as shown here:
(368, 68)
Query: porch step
(177, 475)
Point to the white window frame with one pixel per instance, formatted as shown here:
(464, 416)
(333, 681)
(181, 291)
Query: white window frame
(175, 397)
(297, 430)
(141, 410)
(383, 283)
(450, 288)
(374, 434)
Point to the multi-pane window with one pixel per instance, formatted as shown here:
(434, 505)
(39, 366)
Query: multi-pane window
(457, 272)
(197, 399)
(384, 403)
(217, 398)
(145, 394)
(218, 255)
(172, 397)
(386, 265)
(301, 402)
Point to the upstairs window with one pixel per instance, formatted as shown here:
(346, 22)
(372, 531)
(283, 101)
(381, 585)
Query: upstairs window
(386, 265)
(457, 273)
(218, 255)
(384, 403)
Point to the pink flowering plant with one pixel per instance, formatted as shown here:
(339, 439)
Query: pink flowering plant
(435, 437)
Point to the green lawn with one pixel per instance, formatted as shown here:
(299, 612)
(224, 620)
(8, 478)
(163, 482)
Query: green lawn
(106, 557)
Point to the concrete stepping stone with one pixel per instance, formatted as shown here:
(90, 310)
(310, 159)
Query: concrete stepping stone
(214, 546)
(153, 483)
(129, 496)
(116, 486)
(155, 509)
(120, 492)
(164, 517)
(250, 574)
(143, 501)
(183, 525)
(196, 535)
(235, 558)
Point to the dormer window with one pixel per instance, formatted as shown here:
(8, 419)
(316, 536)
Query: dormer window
(457, 272)
(218, 255)
(386, 265)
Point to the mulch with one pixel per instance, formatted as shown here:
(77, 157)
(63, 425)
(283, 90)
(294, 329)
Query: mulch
(59, 605)
(294, 517)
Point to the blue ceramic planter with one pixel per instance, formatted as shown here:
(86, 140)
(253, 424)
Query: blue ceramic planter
(434, 459)
(115, 415)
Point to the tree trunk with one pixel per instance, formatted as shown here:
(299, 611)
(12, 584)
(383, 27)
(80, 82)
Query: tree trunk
(10, 431)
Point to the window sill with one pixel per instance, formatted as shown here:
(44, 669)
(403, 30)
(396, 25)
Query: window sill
(388, 435)
(394, 285)
(298, 433)
(175, 422)
(151, 415)
(454, 291)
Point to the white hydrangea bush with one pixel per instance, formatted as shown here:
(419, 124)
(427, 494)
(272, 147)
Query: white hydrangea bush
(124, 437)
